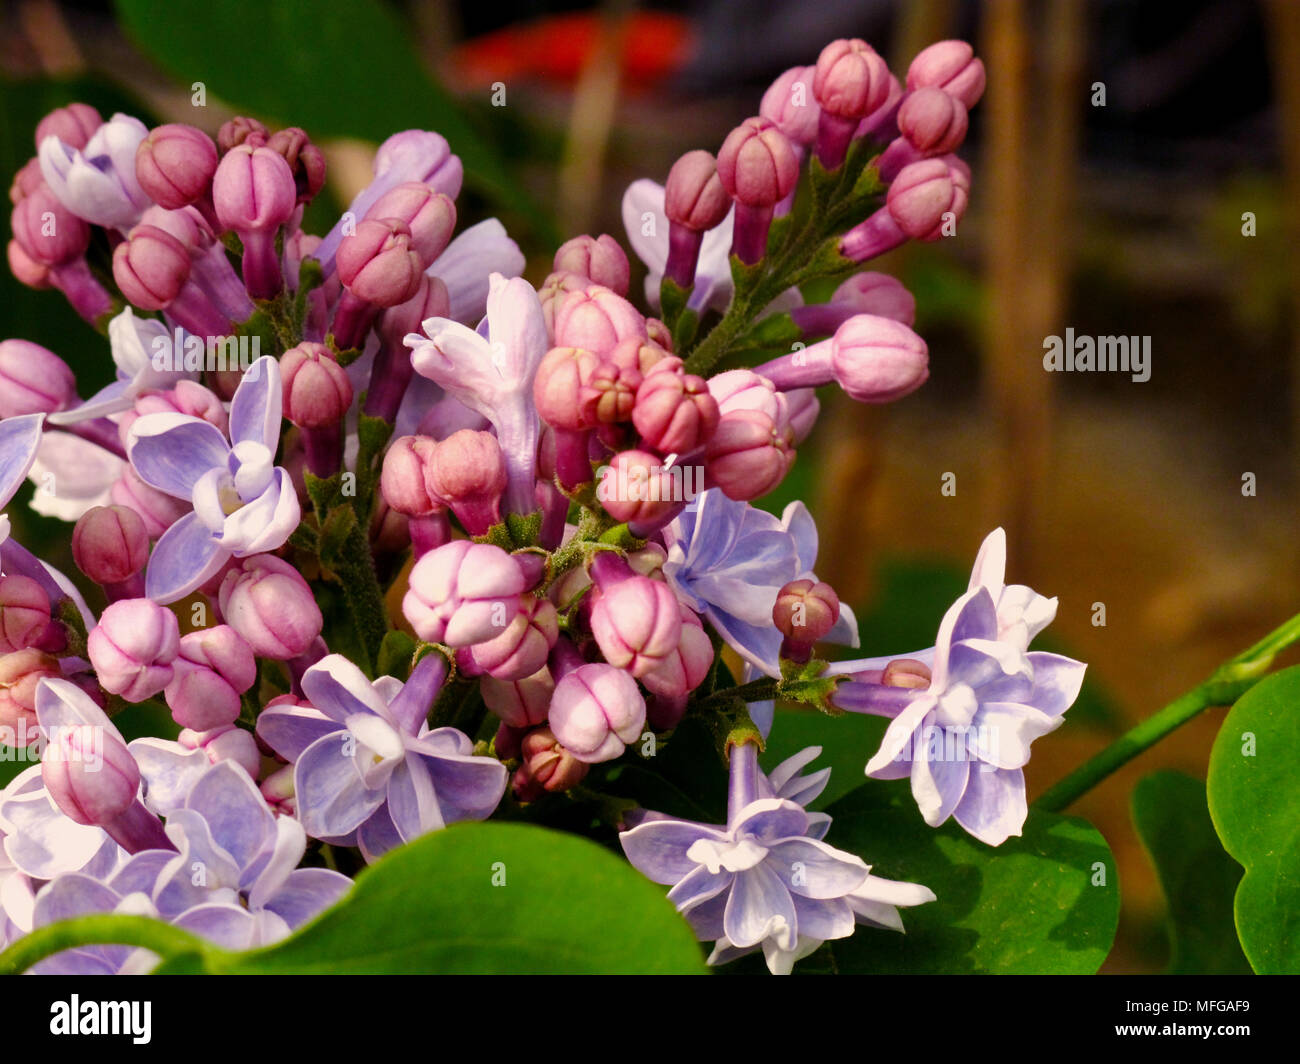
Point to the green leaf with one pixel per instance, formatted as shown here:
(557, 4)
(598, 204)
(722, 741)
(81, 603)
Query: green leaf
(360, 51)
(1044, 903)
(396, 653)
(1254, 799)
(847, 744)
(1198, 878)
(565, 905)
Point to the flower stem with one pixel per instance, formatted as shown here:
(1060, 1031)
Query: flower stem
(1225, 685)
(106, 930)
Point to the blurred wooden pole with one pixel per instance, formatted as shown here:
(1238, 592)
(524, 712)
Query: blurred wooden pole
(1284, 39)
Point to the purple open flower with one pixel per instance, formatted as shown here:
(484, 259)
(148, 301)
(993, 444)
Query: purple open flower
(243, 502)
(368, 771)
(765, 879)
(98, 182)
(491, 371)
(20, 438)
(728, 560)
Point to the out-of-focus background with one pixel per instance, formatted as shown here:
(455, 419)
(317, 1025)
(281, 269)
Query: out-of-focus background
(1137, 173)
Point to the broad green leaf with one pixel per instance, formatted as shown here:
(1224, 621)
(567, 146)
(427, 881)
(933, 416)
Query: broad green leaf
(336, 70)
(1254, 799)
(1198, 878)
(1044, 903)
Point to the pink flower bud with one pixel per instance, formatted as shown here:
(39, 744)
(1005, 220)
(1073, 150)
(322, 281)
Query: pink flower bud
(215, 666)
(863, 293)
(74, 125)
(430, 301)
(521, 650)
(158, 510)
(635, 487)
(693, 194)
(379, 263)
(757, 165)
(20, 673)
(188, 397)
(24, 613)
(110, 544)
(253, 190)
(933, 121)
(920, 196)
(683, 670)
(47, 231)
(133, 647)
(548, 765)
(151, 267)
(404, 479)
(429, 215)
(805, 611)
(226, 743)
(175, 164)
(636, 620)
(609, 394)
(749, 454)
(658, 337)
(906, 672)
(850, 79)
(90, 774)
(790, 104)
(519, 703)
(267, 602)
(595, 711)
(317, 391)
(306, 161)
(467, 472)
(241, 130)
(597, 318)
(464, 593)
(26, 270)
(278, 790)
(674, 412)
(557, 388)
(951, 66)
(554, 291)
(33, 380)
(601, 260)
(876, 360)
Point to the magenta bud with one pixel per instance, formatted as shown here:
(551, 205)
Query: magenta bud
(133, 647)
(548, 764)
(601, 260)
(270, 605)
(597, 318)
(47, 231)
(24, 613)
(403, 481)
(158, 510)
(610, 393)
(215, 666)
(306, 161)
(557, 387)
(803, 409)
(805, 611)
(920, 196)
(522, 649)
(637, 488)
(749, 454)
(317, 391)
(429, 215)
(226, 743)
(463, 593)
(20, 674)
(951, 66)
(467, 472)
(756, 164)
(596, 711)
(241, 130)
(26, 181)
(151, 267)
(636, 622)
(26, 270)
(175, 164)
(694, 197)
(683, 670)
(188, 397)
(74, 124)
(519, 703)
(791, 104)
(877, 360)
(554, 291)
(863, 293)
(674, 412)
(933, 121)
(89, 773)
(378, 263)
(850, 79)
(33, 380)
(253, 190)
(110, 544)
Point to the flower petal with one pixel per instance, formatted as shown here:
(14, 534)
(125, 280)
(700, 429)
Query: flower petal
(255, 411)
(171, 451)
(994, 806)
(185, 557)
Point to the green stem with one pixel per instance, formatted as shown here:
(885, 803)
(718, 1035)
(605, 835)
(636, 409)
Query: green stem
(1228, 683)
(100, 930)
(760, 690)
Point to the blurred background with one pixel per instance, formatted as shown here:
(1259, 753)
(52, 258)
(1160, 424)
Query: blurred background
(1137, 173)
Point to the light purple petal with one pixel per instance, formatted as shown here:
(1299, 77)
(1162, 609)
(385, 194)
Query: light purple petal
(306, 894)
(20, 439)
(824, 919)
(1001, 732)
(256, 408)
(770, 819)
(759, 906)
(185, 557)
(1057, 682)
(289, 730)
(337, 688)
(468, 261)
(467, 788)
(814, 869)
(698, 887)
(378, 835)
(939, 785)
(657, 848)
(241, 822)
(994, 807)
(172, 451)
(266, 523)
(331, 796)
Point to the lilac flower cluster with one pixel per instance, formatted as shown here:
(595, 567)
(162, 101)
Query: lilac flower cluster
(553, 485)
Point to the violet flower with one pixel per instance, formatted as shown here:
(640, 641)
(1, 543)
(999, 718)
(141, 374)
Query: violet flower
(728, 560)
(368, 771)
(20, 438)
(98, 182)
(469, 261)
(491, 371)
(243, 503)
